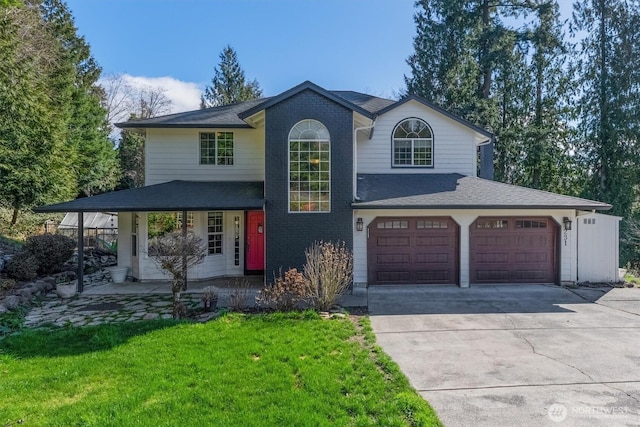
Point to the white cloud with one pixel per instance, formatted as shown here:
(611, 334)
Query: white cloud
(184, 96)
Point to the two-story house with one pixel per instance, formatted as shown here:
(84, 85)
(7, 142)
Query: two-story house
(397, 181)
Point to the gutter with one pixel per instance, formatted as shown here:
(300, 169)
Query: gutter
(355, 157)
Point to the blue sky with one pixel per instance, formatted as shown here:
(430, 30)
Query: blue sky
(357, 45)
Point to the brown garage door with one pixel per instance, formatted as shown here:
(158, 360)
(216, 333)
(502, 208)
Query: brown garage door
(513, 250)
(412, 250)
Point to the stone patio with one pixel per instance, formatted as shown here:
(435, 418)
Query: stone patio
(107, 302)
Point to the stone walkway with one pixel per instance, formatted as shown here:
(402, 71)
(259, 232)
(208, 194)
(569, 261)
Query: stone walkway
(98, 309)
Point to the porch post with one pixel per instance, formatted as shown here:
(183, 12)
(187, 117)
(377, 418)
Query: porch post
(184, 255)
(80, 252)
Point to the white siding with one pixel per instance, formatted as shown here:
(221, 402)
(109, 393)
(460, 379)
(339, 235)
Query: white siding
(454, 144)
(464, 218)
(172, 154)
(598, 249)
(213, 265)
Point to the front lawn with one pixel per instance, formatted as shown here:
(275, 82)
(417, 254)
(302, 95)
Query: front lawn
(277, 369)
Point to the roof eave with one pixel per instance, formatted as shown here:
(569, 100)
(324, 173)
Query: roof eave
(367, 205)
(133, 125)
(51, 209)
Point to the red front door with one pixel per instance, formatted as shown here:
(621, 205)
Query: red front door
(255, 240)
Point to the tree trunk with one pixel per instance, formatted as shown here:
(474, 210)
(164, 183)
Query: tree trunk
(176, 288)
(604, 112)
(486, 65)
(14, 217)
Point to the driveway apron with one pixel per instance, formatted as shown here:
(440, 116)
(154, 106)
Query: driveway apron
(516, 355)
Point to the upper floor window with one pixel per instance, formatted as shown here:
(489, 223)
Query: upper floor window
(309, 167)
(216, 148)
(412, 143)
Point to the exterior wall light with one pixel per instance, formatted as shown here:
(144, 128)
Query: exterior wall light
(567, 223)
(359, 224)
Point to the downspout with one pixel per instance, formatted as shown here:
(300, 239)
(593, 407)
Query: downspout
(355, 157)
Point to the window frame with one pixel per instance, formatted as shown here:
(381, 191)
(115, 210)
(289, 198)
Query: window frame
(319, 182)
(412, 141)
(219, 153)
(219, 233)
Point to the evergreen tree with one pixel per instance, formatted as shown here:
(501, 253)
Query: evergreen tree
(34, 93)
(508, 80)
(131, 158)
(547, 163)
(229, 84)
(610, 93)
(95, 164)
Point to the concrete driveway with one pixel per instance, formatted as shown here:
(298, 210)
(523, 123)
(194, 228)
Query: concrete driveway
(516, 355)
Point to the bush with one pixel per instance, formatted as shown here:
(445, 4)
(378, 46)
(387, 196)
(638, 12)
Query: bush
(7, 285)
(51, 251)
(23, 266)
(286, 293)
(239, 296)
(328, 271)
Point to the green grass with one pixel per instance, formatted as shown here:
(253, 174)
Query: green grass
(258, 370)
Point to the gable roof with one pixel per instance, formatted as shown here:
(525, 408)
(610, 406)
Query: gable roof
(307, 85)
(234, 115)
(171, 196)
(440, 110)
(455, 191)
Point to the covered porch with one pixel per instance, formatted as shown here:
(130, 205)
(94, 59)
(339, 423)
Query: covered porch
(227, 216)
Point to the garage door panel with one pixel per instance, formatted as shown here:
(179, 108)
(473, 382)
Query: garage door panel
(413, 250)
(520, 250)
(392, 276)
(494, 241)
(530, 275)
(393, 241)
(444, 241)
(492, 275)
(386, 259)
(432, 258)
(492, 258)
(433, 276)
(531, 257)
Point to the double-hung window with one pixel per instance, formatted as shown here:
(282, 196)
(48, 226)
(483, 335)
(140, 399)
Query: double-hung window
(216, 148)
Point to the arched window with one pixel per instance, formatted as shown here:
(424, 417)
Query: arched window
(412, 143)
(309, 167)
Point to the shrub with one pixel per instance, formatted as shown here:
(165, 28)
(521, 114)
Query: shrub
(169, 252)
(286, 293)
(239, 296)
(7, 284)
(23, 266)
(328, 271)
(50, 250)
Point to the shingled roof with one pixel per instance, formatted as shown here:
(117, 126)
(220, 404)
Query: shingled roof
(170, 196)
(232, 115)
(454, 191)
(225, 116)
